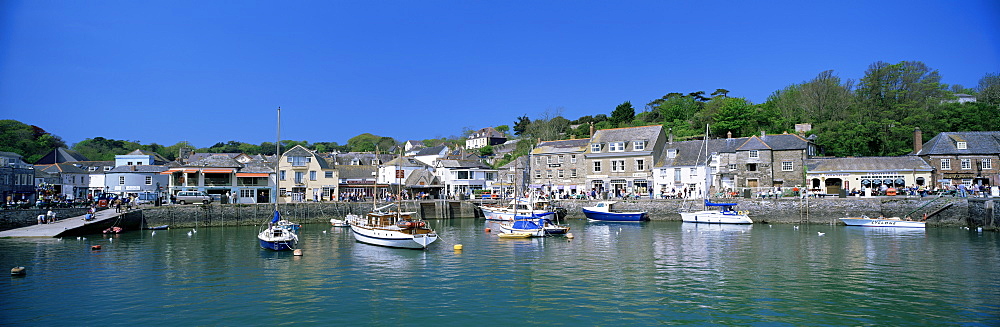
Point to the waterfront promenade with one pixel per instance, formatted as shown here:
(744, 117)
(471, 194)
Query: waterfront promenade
(66, 226)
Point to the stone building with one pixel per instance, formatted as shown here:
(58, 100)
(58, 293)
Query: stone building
(17, 179)
(961, 157)
(765, 161)
(831, 175)
(559, 167)
(620, 160)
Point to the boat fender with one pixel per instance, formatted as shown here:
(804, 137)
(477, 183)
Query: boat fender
(421, 224)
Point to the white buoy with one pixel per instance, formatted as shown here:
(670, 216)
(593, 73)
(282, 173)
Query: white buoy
(324, 232)
(569, 235)
(821, 233)
(189, 233)
(297, 252)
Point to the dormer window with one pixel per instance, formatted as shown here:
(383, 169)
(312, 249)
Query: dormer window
(616, 147)
(355, 161)
(962, 145)
(595, 148)
(639, 145)
(298, 161)
(671, 153)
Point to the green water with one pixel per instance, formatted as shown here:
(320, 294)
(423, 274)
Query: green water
(609, 274)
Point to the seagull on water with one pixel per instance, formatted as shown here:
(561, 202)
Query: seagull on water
(796, 227)
(189, 233)
(821, 233)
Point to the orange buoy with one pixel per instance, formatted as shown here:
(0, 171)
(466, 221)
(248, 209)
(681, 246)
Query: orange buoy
(95, 247)
(487, 230)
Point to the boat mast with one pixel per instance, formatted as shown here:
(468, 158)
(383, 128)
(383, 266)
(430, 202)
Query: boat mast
(277, 160)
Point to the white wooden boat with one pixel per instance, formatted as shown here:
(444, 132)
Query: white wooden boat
(519, 207)
(391, 229)
(865, 221)
(723, 215)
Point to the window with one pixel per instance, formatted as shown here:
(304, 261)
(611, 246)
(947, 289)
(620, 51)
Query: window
(281, 175)
(616, 147)
(962, 145)
(247, 193)
(129, 163)
(597, 166)
(693, 171)
(312, 175)
(299, 176)
(677, 174)
(561, 158)
(561, 173)
(282, 192)
(617, 165)
(464, 175)
(945, 164)
(298, 161)
(986, 163)
(328, 174)
(538, 174)
(966, 163)
(149, 180)
(548, 159)
(640, 164)
(572, 158)
(732, 166)
(754, 154)
(638, 145)
(548, 173)
(572, 172)
(671, 153)
(538, 160)
(121, 180)
(107, 168)
(786, 166)
(596, 147)
(491, 176)
(752, 167)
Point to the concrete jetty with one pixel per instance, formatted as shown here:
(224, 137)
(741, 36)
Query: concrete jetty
(70, 226)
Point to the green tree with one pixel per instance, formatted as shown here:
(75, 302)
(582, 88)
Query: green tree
(623, 114)
(503, 129)
(103, 149)
(989, 89)
(521, 125)
(486, 151)
(29, 141)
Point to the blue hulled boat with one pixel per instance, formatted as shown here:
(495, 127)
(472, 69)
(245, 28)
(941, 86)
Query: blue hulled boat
(278, 237)
(603, 212)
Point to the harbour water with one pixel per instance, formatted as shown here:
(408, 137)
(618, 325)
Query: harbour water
(610, 274)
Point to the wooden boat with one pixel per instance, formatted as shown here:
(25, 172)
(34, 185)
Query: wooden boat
(865, 221)
(515, 235)
(391, 229)
(339, 222)
(723, 215)
(604, 211)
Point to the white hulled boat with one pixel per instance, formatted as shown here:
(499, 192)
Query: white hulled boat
(392, 229)
(865, 221)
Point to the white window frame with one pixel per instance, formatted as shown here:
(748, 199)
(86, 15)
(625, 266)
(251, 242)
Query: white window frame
(312, 175)
(986, 163)
(327, 174)
(560, 158)
(572, 173)
(640, 164)
(561, 173)
(962, 145)
(572, 158)
(548, 173)
(639, 145)
(966, 164)
(616, 147)
(149, 180)
(121, 180)
(617, 165)
(595, 148)
(787, 166)
(753, 154)
(597, 166)
(945, 164)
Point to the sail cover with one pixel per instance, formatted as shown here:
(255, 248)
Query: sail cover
(277, 216)
(710, 204)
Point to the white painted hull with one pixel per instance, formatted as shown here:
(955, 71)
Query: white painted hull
(392, 238)
(506, 227)
(876, 222)
(507, 214)
(715, 217)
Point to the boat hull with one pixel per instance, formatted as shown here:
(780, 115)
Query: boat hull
(277, 246)
(615, 216)
(507, 214)
(875, 222)
(715, 217)
(394, 239)
(277, 238)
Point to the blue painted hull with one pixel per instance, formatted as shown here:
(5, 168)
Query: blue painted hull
(277, 246)
(615, 216)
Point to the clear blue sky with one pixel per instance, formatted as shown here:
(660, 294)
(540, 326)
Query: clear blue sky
(209, 71)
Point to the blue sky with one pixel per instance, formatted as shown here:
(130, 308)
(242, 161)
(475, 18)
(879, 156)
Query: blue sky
(210, 71)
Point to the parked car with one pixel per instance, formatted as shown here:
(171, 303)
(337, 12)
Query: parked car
(185, 197)
(146, 197)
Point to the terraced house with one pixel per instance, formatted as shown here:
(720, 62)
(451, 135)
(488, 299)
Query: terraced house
(765, 161)
(305, 176)
(558, 167)
(620, 160)
(968, 158)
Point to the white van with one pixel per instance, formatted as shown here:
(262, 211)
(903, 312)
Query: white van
(185, 197)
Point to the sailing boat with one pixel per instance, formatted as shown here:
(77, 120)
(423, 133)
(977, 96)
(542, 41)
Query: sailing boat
(714, 213)
(391, 228)
(280, 234)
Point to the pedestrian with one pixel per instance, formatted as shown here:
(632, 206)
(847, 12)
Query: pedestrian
(51, 216)
(41, 219)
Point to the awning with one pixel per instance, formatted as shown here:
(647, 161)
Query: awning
(252, 174)
(217, 170)
(171, 171)
(191, 170)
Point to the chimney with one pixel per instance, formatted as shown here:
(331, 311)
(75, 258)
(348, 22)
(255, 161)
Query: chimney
(670, 136)
(918, 140)
(591, 129)
(729, 134)
(763, 134)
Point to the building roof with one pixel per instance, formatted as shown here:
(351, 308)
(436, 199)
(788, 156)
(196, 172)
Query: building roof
(156, 156)
(215, 160)
(867, 164)
(356, 171)
(405, 162)
(356, 158)
(561, 146)
(60, 155)
(460, 164)
(138, 169)
(424, 176)
(10, 155)
(433, 151)
(61, 168)
(486, 132)
(647, 133)
(688, 153)
(976, 143)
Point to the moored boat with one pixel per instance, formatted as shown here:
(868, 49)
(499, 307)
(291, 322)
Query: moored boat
(537, 226)
(278, 237)
(519, 206)
(391, 229)
(865, 221)
(604, 211)
(724, 214)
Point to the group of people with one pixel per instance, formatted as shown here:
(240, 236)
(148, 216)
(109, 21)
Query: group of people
(46, 218)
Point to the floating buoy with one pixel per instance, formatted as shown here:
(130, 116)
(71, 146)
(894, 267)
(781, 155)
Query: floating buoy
(569, 235)
(487, 230)
(95, 247)
(458, 247)
(18, 271)
(297, 252)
